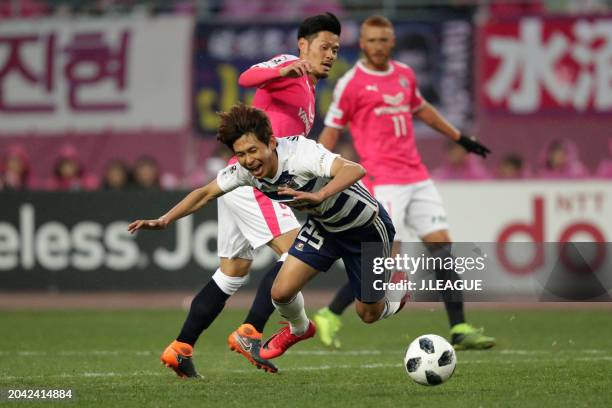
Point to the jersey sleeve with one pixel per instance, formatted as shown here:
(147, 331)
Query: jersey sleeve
(417, 101)
(312, 159)
(232, 177)
(340, 110)
(264, 72)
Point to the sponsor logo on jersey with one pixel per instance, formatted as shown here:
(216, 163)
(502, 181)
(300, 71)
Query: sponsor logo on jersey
(307, 118)
(373, 88)
(394, 99)
(391, 110)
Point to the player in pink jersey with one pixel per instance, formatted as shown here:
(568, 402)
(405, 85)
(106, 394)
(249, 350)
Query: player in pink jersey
(378, 99)
(286, 91)
(248, 219)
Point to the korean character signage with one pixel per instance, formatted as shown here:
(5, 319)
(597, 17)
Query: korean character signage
(91, 75)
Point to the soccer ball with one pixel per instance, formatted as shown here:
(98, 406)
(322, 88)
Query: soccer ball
(430, 360)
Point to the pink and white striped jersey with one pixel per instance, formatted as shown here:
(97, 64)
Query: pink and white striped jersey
(378, 107)
(289, 102)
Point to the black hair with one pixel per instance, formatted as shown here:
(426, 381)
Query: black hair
(313, 25)
(241, 120)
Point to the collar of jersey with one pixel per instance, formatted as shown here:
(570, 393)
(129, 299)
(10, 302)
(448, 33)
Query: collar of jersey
(372, 72)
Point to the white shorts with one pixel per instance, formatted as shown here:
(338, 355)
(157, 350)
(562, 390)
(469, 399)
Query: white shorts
(413, 208)
(248, 220)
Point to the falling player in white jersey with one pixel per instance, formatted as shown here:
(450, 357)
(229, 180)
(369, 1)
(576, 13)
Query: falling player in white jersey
(306, 176)
(248, 219)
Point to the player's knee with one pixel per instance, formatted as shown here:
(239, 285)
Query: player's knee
(368, 316)
(437, 237)
(280, 293)
(235, 267)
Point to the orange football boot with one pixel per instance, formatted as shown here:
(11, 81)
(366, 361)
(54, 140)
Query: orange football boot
(177, 356)
(246, 340)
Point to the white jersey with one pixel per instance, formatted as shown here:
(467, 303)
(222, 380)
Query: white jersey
(306, 166)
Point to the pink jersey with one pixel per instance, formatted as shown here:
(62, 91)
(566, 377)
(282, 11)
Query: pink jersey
(378, 107)
(289, 102)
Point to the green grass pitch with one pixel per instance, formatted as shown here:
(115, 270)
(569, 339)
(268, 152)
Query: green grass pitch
(543, 358)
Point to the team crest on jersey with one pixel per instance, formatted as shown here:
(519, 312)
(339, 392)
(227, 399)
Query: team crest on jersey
(286, 180)
(276, 61)
(394, 99)
(279, 60)
(403, 81)
(299, 246)
(229, 171)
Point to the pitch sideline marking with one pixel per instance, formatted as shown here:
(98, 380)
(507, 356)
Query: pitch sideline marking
(304, 368)
(365, 352)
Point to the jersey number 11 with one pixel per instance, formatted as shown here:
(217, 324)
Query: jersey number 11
(399, 123)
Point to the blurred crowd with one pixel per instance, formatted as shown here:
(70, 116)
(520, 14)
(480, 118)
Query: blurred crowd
(65, 8)
(559, 160)
(232, 9)
(70, 173)
(284, 9)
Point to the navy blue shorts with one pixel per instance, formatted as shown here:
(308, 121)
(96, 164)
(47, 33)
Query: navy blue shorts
(319, 248)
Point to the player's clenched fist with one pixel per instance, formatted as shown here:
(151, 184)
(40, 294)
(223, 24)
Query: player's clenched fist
(147, 224)
(297, 69)
(472, 145)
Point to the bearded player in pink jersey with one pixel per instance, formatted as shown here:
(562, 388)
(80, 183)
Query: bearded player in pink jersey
(248, 219)
(378, 99)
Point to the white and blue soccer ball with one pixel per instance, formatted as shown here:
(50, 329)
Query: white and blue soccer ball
(430, 360)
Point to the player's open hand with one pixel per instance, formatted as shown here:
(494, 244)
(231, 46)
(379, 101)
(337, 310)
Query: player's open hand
(146, 224)
(297, 69)
(300, 196)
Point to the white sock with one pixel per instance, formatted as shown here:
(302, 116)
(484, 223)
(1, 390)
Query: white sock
(390, 309)
(295, 314)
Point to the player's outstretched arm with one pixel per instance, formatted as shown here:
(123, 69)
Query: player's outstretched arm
(195, 200)
(329, 137)
(436, 121)
(344, 174)
(257, 76)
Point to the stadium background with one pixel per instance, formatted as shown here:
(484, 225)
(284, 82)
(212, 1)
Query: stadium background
(100, 82)
(135, 81)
